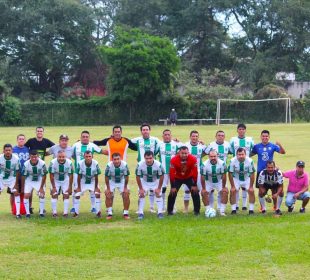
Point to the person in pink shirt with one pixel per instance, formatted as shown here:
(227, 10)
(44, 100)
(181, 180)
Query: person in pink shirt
(297, 187)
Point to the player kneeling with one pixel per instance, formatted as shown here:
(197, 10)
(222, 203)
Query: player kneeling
(88, 171)
(150, 176)
(117, 177)
(34, 177)
(241, 175)
(213, 177)
(61, 176)
(271, 178)
(9, 175)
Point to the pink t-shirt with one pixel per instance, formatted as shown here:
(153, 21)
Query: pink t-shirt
(296, 184)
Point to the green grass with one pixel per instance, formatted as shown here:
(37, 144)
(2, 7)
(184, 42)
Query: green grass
(178, 247)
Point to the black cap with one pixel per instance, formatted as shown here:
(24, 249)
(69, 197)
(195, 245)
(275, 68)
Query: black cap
(63, 136)
(300, 163)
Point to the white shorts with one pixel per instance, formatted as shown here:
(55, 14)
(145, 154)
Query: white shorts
(7, 184)
(186, 189)
(213, 186)
(30, 185)
(62, 187)
(119, 186)
(166, 181)
(242, 184)
(149, 186)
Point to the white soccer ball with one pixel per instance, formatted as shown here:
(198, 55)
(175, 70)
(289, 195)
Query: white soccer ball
(210, 213)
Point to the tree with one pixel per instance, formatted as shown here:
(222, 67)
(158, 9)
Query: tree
(140, 67)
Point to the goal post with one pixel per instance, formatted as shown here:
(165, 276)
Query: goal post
(274, 110)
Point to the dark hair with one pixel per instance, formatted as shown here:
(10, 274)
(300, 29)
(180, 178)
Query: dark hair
(219, 131)
(87, 152)
(39, 127)
(116, 155)
(265, 131)
(117, 126)
(271, 162)
(241, 125)
(85, 131)
(33, 152)
(166, 130)
(143, 125)
(240, 150)
(193, 131)
(183, 148)
(20, 135)
(7, 146)
(148, 153)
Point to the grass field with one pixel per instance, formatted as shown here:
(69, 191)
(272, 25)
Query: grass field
(177, 247)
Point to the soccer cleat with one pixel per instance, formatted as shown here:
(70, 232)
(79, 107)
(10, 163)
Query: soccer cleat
(196, 213)
(222, 214)
(263, 211)
(55, 215)
(126, 217)
(98, 215)
(160, 215)
(251, 212)
(75, 215)
(42, 216)
(140, 216)
(93, 210)
(244, 208)
(302, 210)
(28, 216)
(170, 213)
(109, 217)
(31, 210)
(72, 210)
(65, 215)
(152, 210)
(290, 208)
(278, 212)
(234, 212)
(237, 208)
(18, 217)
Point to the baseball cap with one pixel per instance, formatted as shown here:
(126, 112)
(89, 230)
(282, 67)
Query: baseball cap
(63, 136)
(300, 163)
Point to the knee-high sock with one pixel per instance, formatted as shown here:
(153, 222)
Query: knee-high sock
(141, 205)
(54, 205)
(237, 198)
(187, 196)
(219, 198)
(244, 198)
(152, 198)
(26, 203)
(262, 203)
(73, 200)
(98, 205)
(279, 201)
(42, 204)
(17, 204)
(77, 205)
(66, 206)
(92, 199)
(211, 199)
(159, 202)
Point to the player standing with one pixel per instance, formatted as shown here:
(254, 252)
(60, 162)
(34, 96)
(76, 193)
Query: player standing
(62, 146)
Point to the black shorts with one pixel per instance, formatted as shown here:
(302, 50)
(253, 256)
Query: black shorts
(273, 188)
(179, 182)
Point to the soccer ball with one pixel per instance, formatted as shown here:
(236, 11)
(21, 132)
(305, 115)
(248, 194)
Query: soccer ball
(210, 213)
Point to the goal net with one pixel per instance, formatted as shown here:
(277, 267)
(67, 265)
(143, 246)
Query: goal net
(276, 110)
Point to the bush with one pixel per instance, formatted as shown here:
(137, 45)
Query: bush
(12, 113)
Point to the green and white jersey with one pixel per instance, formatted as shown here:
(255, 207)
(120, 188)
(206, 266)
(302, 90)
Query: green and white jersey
(222, 149)
(117, 174)
(166, 152)
(247, 143)
(79, 149)
(8, 167)
(143, 145)
(88, 173)
(35, 172)
(197, 151)
(150, 173)
(61, 171)
(241, 170)
(213, 172)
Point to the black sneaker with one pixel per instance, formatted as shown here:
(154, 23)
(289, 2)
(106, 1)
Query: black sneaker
(18, 217)
(234, 212)
(251, 212)
(290, 209)
(42, 216)
(278, 212)
(196, 213)
(302, 210)
(170, 214)
(237, 208)
(244, 208)
(28, 216)
(31, 210)
(263, 211)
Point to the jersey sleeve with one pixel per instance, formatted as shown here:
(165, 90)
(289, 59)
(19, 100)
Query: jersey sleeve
(44, 170)
(98, 170)
(254, 150)
(107, 172)
(203, 170)
(251, 167)
(49, 143)
(208, 149)
(261, 178)
(231, 167)
(161, 170)
(232, 146)
(78, 169)
(131, 145)
(96, 149)
(51, 170)
(126, 171)
(102, 142)
(276, 148)
(280, 177)
(224, 168)
(138, 171)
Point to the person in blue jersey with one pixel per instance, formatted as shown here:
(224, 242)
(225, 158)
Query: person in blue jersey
(265, 152)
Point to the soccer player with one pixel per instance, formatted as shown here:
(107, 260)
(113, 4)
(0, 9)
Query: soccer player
(213, 177)
(265, 151)
(34, 177)
(61, 177)
(144, 143)
(183, 170)
(62, 146)
(117, 177)
(270, 178)
(22, 153)
(167, 150)
(39, 143)
(117, 144)
(198, 150)
(79, 149)
(297, 187)
(150, 176)
(241, 141)
(223, 149)
(88, 171)
(9, 174)
(241, 175)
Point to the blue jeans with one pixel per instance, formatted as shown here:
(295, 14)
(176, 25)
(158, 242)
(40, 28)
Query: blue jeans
(290, 200)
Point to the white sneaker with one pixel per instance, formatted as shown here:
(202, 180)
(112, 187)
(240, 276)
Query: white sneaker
(152, 210)
(222, 214)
